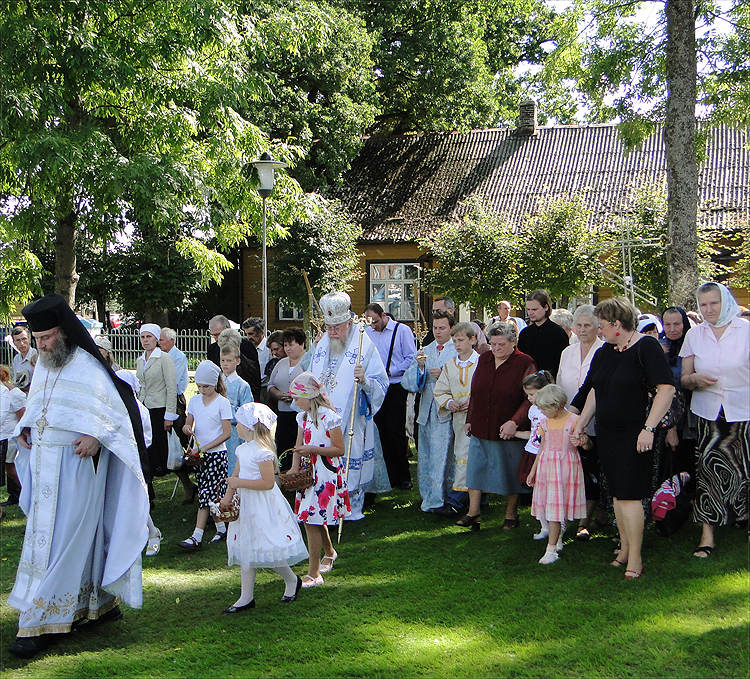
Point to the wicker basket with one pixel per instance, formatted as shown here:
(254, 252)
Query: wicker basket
(191, 460)
(231, 514)
(297, 480)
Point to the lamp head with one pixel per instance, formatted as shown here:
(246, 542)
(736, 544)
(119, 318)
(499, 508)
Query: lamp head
(266, 166)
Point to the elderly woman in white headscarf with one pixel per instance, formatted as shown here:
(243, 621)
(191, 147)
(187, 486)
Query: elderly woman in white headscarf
(105, 349)
(156, 374)
(715, 367)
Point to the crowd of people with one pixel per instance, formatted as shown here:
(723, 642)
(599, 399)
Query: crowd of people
(582, 415)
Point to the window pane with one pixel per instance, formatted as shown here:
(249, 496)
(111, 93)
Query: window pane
(288, 312)
(395, 296)
(395, 272)
(377, 293)
(377, 271)
(411, 273)
(409, 302)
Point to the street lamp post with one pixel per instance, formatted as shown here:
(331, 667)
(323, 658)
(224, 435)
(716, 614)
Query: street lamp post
(266, 167)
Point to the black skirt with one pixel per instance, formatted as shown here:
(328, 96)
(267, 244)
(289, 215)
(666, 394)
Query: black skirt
(627, 471)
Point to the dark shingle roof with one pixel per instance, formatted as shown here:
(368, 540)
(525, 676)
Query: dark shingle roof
(401, 187)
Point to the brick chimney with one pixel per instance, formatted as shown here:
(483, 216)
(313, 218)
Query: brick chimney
(527, 118)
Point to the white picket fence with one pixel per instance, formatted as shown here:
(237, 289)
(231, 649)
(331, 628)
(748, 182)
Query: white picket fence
(126, 346)
(6, 353)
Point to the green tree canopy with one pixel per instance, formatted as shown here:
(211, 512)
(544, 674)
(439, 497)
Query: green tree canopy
(610, 61)
(127, 112)
(476, 258)
(451, 64)
(20, 272)
(315, 62)
(326, 247)
(483, 259)
(557, 251)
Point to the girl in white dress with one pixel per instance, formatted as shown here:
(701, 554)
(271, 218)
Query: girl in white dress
(266, 535)
(326, 501)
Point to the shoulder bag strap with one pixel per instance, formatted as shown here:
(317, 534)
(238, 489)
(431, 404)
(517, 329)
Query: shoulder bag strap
(390, 351)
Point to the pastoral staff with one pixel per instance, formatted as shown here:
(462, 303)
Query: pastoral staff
(334, 363)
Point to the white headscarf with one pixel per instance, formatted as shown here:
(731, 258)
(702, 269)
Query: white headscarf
(207, 372)
(650, 319)
(729, 307)
(153, 328)
(250, 414)
(103, 342)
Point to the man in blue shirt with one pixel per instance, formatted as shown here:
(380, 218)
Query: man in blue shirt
(167, 345)
(503, 316)
(395, 344)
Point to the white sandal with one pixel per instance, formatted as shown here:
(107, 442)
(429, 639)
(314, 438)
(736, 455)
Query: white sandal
(327, 567)
(154, 544)
(310, 581)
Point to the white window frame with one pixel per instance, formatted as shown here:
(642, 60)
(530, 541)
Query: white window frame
(297, 313)
(393, 282)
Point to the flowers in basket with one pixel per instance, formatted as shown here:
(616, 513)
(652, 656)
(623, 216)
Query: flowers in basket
(193, 453)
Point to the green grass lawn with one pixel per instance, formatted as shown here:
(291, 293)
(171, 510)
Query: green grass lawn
(414, 595)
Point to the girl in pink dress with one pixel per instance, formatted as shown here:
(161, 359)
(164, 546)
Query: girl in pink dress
(326, 501)
(557, 475)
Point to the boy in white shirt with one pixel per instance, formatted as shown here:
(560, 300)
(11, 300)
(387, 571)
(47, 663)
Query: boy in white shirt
(452, 392)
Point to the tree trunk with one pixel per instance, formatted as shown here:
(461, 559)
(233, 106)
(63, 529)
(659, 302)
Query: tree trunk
(66, 277)
(154, 314)
(682, 162)
(101, 310)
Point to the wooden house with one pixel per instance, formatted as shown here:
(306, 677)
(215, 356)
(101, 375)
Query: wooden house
(402, 187)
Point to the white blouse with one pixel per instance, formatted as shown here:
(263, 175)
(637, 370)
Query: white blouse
(13, 400)
(727, 359)
(572, 371)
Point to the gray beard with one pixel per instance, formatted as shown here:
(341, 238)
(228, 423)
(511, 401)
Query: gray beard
(58, 356)
(337, 347)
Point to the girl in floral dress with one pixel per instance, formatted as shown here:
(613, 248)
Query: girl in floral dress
(326, 502)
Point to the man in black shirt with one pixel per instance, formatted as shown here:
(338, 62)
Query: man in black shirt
(542, 339)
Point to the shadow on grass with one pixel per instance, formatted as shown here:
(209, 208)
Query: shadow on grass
(413, 594)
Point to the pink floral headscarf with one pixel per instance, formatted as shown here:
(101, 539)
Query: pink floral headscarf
(307, 385)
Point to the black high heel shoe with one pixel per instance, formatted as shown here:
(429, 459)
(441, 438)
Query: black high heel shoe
(470, 521)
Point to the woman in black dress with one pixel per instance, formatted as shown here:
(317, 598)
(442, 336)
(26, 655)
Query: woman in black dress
(622, 374)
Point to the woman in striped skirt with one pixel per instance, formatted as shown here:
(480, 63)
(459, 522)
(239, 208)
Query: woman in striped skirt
(715, 367)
